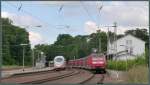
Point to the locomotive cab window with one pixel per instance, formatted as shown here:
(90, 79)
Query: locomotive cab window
(59, 59)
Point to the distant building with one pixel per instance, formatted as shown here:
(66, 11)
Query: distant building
(128, 47)
(40, 63)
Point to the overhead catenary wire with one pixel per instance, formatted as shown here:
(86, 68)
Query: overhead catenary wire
(37, 18)
(20, 7)
(45, 21)
(65, 26)
(86, 10)
(55, 4)
(99, 11)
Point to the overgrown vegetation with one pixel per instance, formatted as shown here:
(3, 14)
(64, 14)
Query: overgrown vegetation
(138, 74)
(126, 65)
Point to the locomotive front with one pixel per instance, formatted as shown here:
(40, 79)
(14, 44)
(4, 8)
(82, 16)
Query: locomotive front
(59, 62)
(97, 62)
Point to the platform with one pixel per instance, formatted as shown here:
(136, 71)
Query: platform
(26, 70)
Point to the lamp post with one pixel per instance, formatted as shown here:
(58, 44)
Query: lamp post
(23, 55)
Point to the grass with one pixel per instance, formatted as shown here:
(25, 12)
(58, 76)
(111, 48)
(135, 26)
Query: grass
(11, 66)
(138, 74)
(125, 65)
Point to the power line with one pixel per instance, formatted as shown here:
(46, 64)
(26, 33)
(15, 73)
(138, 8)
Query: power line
(31, 15)
(56, 26)
(88, 4)
(90, 16)
(61, 17)
(99, 11)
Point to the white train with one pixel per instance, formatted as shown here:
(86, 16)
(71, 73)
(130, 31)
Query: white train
(59, 62)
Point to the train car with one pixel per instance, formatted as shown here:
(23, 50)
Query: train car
(59, 63)
(96, 62)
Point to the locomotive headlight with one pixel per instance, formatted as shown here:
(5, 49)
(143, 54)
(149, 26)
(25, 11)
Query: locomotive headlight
(100, 62)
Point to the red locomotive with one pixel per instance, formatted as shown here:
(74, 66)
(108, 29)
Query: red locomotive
(92, 62)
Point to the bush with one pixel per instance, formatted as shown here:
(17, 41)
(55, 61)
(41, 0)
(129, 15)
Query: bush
(126, 65)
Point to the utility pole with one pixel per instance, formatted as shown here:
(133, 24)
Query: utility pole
(108, 42)
(99, 45)
(76, 52)
(38, 56)
(33, 58)
(115, 44)
(115, 39)
(99, 10)
(23, 58)
(1, 49)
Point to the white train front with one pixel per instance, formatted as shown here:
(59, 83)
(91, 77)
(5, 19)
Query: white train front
(59, 62)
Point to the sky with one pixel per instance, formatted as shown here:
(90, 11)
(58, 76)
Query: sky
(45, 20)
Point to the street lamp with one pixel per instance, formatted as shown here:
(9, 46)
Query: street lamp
(23, 55)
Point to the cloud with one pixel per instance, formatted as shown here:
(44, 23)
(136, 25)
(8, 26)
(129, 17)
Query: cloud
(128, 15)
(35, 38)
(24, 21)
(90, 27)
(5, 14)
(21, 20)
(132, 15)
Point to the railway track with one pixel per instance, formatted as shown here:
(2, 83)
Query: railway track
(73, 76)
(74, 79)
(95, 79)
(33, 77)
(74, 72)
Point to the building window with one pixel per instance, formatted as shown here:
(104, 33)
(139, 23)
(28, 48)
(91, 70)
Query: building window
(128, 42)
(129, 46)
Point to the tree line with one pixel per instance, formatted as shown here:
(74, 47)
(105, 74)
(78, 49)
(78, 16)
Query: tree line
(12, 37)
(66, 45)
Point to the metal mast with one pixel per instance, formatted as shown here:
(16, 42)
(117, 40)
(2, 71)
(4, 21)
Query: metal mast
(115, 45)
(108, 42)
(115, 39)
(99, 45)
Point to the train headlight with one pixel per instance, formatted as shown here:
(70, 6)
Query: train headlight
(100, 62)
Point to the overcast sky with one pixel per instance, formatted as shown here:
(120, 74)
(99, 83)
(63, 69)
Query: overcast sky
(74, 17)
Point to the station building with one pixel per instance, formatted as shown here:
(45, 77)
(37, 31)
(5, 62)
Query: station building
(128, 47)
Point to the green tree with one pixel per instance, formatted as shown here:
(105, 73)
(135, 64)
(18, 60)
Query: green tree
(13, 36)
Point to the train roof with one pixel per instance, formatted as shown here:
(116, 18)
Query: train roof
(59, 57)
(93, 54)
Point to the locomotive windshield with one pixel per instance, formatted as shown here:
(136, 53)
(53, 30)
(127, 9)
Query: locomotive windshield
(59, 59)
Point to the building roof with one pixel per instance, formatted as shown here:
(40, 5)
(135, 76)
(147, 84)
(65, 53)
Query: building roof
(129, 35)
